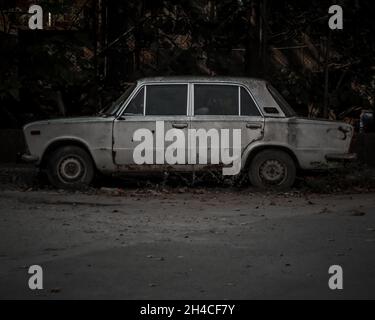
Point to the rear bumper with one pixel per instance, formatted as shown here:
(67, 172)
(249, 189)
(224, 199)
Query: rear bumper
(29, 158)
(341, 157)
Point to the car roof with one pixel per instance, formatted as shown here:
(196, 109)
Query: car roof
(172, 79)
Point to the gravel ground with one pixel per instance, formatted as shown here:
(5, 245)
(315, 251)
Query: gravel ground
(147, 241)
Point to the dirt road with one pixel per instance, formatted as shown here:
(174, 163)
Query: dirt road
(186, 245)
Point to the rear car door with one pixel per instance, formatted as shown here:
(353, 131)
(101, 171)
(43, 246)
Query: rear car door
(224, 106)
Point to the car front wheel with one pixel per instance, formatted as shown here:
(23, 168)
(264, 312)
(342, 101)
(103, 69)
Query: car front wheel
(272, 169)
(70, 167)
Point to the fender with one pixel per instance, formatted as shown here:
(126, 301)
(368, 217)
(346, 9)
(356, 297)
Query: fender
(63, 141)
(254, 148)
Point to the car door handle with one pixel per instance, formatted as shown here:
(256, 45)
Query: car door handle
(180, 125)
(254, 126)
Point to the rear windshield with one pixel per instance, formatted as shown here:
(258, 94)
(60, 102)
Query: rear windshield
(283, 104)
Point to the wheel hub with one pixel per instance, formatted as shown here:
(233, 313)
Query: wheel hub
(71, 169)
(273, 172)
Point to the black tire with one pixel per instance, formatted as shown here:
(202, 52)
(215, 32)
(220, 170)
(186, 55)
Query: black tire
(272, 170)
(70, 167)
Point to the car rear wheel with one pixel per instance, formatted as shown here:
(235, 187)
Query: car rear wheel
(272, 169)
(70, 167)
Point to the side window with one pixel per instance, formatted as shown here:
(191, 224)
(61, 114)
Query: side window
(166, 100)
(136, 106)
(248, 106)
(283, 104)
(216, 100)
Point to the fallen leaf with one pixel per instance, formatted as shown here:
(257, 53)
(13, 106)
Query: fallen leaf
(357, 213)
(56, 290)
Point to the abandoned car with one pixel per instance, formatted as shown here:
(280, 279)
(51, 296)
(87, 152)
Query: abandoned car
(189, 124)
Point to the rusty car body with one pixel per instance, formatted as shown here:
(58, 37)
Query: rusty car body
(275, 142)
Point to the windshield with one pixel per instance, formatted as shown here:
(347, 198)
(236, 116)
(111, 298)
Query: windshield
(112, 108)
(283, 104)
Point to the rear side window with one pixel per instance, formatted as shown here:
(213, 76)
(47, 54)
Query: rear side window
(248, 106)
(166, 100)
(283, 104)
(216, 100)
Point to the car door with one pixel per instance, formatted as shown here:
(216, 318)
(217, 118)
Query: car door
(224, 108)
(157, 113)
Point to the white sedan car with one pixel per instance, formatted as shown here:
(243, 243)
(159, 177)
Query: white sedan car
(238, 125)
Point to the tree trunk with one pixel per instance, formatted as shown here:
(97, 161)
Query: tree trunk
(326, 76)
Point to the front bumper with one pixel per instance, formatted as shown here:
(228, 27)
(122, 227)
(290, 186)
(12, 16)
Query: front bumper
(341, 157)
(30, 158)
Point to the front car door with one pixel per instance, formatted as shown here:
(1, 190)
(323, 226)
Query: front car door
(158, 112)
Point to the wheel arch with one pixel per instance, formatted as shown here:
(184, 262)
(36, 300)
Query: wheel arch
(256, 150)
(57, 144)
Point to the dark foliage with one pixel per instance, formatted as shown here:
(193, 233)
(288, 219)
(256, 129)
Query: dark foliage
(94, 48)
